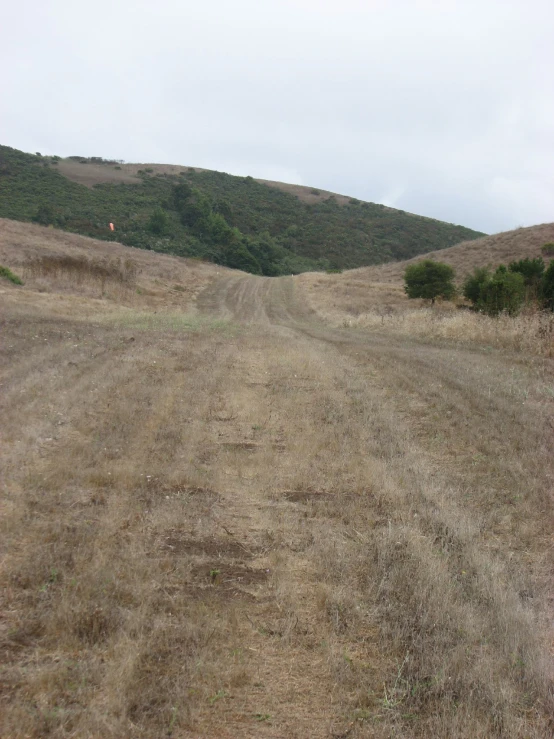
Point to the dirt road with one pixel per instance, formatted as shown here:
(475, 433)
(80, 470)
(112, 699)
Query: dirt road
(290, 530)
(443, 455)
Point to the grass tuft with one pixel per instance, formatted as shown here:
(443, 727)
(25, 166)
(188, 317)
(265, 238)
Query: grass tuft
(7, 274)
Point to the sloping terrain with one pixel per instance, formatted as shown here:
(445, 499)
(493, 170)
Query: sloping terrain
(341, 296)
(231, 519)
(261, 227)
(87, 172)
(157, 280)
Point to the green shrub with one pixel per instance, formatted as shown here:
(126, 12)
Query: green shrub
(548, 249)
(158, 222)
(429, 280)
(7, 274)
(503, 293)
(45, 215)
(473, 284)
(531, 269)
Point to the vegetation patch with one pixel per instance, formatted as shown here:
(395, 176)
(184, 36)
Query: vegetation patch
(7, 274)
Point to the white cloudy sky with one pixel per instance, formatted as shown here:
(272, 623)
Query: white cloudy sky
(439, 107)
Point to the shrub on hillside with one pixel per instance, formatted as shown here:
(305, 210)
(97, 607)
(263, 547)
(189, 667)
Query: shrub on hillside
(44, 215)
(531, 269)
(548, 249)
(158, 221)
(429, 280)
(503, 293)
(473, 283)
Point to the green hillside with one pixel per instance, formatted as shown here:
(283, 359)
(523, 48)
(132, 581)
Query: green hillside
(235, 221)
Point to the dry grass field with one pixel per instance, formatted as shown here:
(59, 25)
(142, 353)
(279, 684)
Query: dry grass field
(373, 298)
(224, 516)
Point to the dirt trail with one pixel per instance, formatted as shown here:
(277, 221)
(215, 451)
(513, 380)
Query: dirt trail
(463, 419)
(267, 527)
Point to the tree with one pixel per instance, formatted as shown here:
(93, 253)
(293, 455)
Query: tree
(429, 280)
(180, 194)
(473, 284)
(157, 223)
(237, 256)
(532, 271)
(547, 287)
(45, 215)
(503, 293)
(220, 231)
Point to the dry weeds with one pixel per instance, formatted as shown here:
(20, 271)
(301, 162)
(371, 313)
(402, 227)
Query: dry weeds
(285, 530)
(374, 298)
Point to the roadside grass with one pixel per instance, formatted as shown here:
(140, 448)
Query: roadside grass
(531, 332)
(350, 302)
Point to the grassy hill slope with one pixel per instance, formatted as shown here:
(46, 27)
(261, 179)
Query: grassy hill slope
(379, 290)
(268, 228)
(82, 269)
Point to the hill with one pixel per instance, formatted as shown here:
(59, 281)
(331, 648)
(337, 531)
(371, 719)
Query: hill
(258, 226)
(360, 290)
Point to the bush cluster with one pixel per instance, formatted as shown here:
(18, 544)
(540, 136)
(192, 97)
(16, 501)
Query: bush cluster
(507, 289)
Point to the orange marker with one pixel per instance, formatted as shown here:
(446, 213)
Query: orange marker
(111, 227)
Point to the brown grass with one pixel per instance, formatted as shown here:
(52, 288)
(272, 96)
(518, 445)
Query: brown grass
(373, 298)
(275, 528)
(90, 174)
(65, 263)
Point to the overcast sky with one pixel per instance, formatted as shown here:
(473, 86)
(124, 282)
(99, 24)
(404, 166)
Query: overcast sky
(440, 107)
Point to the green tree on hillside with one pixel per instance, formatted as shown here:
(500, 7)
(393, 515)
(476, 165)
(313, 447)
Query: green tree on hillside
(158, 222)
(45, 215)
(503, 293)
(429, 280)
(474, 283)
(532, 271)
(237, 256)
